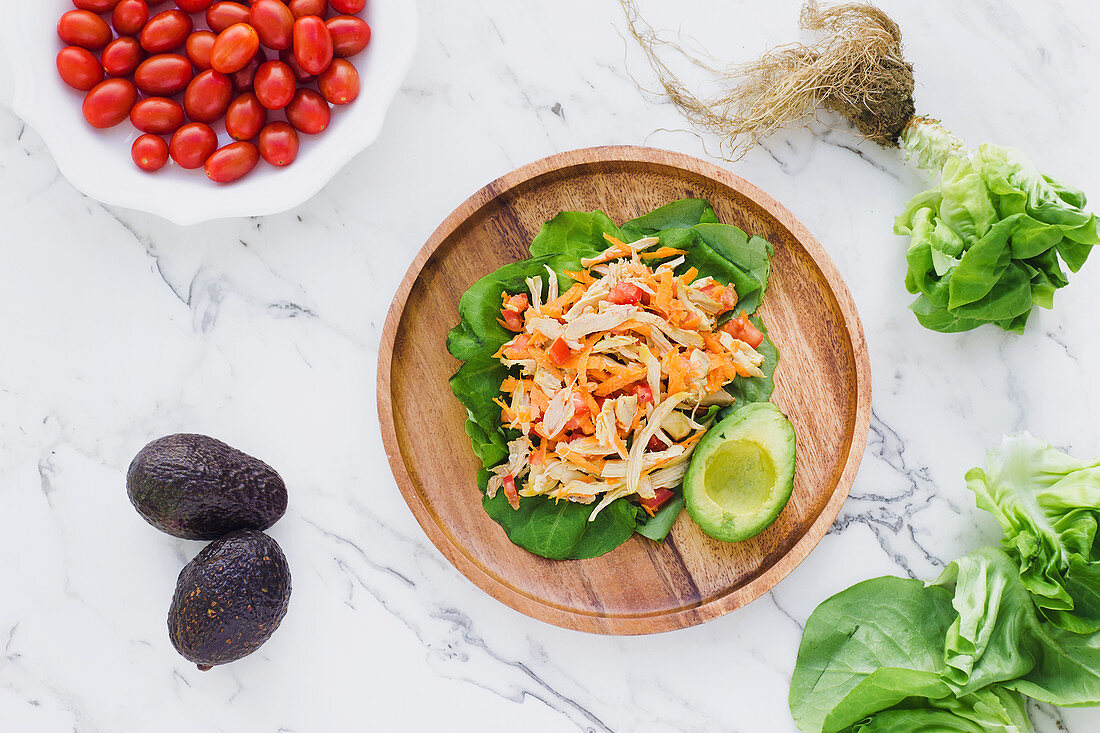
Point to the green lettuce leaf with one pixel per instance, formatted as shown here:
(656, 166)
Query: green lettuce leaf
(561, 530)
(985, 243)
(989, 710)
(1048, 504)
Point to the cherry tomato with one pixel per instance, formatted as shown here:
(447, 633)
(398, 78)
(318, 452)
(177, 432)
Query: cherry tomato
(95, 6)
(193, 6)
(207, 96)
(243, 79)
(308, 112)
(122, 56)
(109, 102)
(166, 31)
(347, 7)
(232, 162)
(85, 29)
(245, 117)
(274, 85)
(150, 152)
(130, 17)
(79, 68)
(273, 22)
(350, 35)
(279, 144)
(301, 75)
(158, 115)
(220, 16)
(164, 74)
(193, 144)
(234, 48)
(340, 82)
(312, 44)
(302, 8)
(198, 47)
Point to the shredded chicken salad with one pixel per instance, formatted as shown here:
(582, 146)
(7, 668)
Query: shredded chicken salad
(612, 379)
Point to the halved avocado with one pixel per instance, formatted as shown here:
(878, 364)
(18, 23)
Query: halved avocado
(742, 473)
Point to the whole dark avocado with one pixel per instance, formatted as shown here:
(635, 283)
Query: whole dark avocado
(199, 488)
(229, 599)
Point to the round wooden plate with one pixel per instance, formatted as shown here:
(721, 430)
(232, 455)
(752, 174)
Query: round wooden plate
(823, 384)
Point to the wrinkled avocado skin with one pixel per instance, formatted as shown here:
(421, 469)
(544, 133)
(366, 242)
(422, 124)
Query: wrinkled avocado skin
(229, 599)
(199, 488)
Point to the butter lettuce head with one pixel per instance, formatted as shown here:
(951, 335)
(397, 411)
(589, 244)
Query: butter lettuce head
(561, 530)
(990, 241)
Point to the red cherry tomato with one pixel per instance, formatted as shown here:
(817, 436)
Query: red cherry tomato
(302, 8)
(279, 144)
(220, 16)
(301, 75)
(164, 74)
(350, 35)
(312, 44)
(232, 162)
(79, 68)
(166, 31)
(340, 82)
(95, 6)
(234, 48)
(273, 22)
(109, 102)
(207, 96)
(245, 117)
(157, 115)
(308, 112)
(130, 17)
(198, 47)
(122, 56)
(347, 7)
(192, 144)
(193, 6)
(274, 84)
(85, 29)
(150, 152)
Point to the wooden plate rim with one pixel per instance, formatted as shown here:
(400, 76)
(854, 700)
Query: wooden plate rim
(655, 622)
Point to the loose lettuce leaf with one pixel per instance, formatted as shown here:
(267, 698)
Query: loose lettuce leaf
(990, 710)
(1048, 504)
(561, 530)
(985, 243)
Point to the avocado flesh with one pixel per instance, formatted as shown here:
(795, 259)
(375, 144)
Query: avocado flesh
(742, 473)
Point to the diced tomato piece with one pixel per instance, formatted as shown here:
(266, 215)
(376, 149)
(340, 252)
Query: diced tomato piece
(517, 303)
(735, 326)
(752, 335)
(517, 347)
(513, 321)
(642, 391)
(627, 294)
(661, 497)
(729, 298)
(580, 404)
(559, 351)
(656, 444)
(510, 492)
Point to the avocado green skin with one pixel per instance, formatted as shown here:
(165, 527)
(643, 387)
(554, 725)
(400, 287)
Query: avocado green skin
(199, 488)
(229, 599)
(766, 425)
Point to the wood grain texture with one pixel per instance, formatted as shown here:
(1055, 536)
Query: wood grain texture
(823, 384)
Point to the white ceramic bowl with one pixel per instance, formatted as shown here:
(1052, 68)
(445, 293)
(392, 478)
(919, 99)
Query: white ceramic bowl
(98, 161)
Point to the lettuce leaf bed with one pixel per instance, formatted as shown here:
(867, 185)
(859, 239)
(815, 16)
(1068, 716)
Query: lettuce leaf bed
(561, 530)
(959, 654)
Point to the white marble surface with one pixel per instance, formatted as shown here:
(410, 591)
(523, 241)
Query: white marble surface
(119, 327)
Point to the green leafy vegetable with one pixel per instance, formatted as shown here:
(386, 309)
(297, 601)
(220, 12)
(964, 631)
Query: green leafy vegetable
(561, 530)
(893, 654)
(1048, 504)
(985, 244)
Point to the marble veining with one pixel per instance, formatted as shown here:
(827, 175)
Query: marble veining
(119, 327)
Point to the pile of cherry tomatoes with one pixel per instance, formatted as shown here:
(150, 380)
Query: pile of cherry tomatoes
(173, 79)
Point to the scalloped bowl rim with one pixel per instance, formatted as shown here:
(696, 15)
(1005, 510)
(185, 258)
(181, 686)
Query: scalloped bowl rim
(85, 156)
